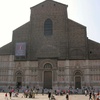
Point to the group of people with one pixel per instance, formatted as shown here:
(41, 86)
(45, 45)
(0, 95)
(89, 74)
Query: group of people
(92, 95)
(51, 96)
(11, 93)
(29, 93)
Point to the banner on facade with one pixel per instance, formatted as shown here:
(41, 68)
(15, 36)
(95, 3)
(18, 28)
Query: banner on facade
(20, 49)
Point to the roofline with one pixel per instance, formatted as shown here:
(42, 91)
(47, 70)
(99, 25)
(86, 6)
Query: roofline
(77, 23)
(49, 1)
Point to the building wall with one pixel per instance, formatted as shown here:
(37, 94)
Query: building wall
(94, 49)
(63, 72)
(77, 41)
(56, 45)
(68, 41)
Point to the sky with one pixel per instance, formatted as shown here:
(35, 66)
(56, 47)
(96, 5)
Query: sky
(15, 13)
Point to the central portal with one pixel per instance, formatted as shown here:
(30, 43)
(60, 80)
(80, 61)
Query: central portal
(78, 79)
(19, 82)
(48, 79)
(78, 82)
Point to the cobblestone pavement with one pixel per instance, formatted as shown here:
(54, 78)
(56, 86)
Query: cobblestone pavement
(44, 97)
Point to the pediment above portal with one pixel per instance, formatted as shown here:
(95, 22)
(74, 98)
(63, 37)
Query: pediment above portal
(47, 64)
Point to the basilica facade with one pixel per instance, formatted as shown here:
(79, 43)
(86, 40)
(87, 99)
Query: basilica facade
(50, 51)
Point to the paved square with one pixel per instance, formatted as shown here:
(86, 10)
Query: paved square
(44, 97)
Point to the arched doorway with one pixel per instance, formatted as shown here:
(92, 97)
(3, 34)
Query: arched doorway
(48, 76)
(78, 79)
(18, 79)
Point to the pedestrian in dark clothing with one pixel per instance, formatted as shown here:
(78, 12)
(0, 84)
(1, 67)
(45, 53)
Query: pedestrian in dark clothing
(55, 92)
(90, 96)
(49, 95)
(10, 93)
(67, 96)
(42, 91)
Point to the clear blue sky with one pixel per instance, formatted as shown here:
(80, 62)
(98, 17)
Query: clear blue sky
(14, 13)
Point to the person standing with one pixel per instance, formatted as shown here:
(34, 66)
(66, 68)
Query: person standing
(42, 91)
(85, 92)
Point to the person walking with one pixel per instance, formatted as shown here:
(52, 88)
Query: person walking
(67, 96)
(10, 94)
(90, 96)
(49, 95)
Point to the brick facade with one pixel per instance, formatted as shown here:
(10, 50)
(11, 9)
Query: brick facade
(65, 56)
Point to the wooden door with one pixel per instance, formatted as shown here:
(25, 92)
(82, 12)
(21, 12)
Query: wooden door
(48, 79)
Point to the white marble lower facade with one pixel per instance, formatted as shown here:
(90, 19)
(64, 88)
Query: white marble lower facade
(49, 73)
